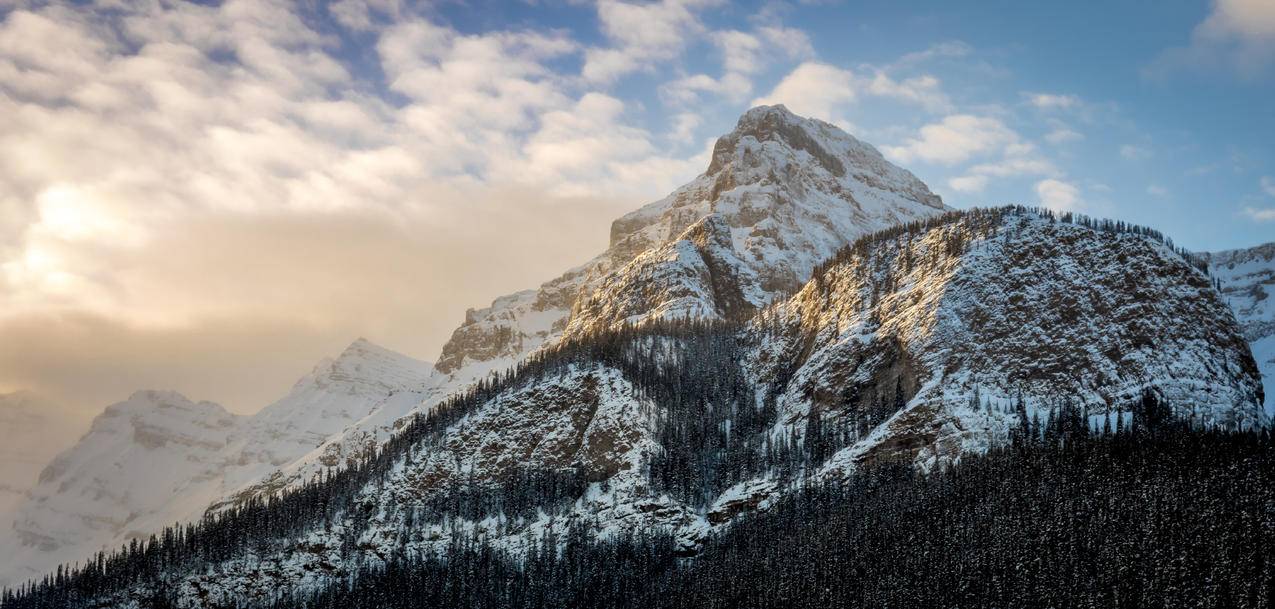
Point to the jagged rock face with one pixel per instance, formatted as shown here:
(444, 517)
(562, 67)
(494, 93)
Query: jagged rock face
(159, 458)
(1247, 282)
(787, 191)
(697, 276)
(1001, 304)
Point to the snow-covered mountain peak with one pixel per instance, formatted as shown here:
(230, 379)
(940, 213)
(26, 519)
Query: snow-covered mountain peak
(364, 367)
(159, 457)
(784, 193)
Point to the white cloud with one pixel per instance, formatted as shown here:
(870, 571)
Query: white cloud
(813, 89)
(1156, 190)
(1265, 214)
(743, 55)
(1237, 36)
(1268, 185)
(955, 139)
(1016, 166)
(1063, 135)
(792, 42)
(684, 126)
(149, 113)
(1053, 101)
(641, 34)
(924, 90)
(942, 50)
(1058, 195)
(969, 184)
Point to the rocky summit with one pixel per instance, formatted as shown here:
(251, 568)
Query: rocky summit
(801, 311)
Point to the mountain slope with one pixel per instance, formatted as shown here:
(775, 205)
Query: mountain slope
(1247, 281)
(159, 458)
(781, 193)
(784, 191)
(922, 343)
(138, 455)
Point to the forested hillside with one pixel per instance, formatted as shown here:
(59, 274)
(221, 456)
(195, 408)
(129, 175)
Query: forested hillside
(1165, 517)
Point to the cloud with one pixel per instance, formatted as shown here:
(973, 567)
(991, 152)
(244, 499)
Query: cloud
(1156, 190)
(1053, 101)
(969, 184)
(955, 139)
(173, 170)
(813, 89)
(943, 50)
(1265, 214)
(1016, 166)
(924, 90)
(1268, 185)
(684, 126)
(1237, 36)
(1063, 135)
(1058, 195)
(641, 35)
(743, 55)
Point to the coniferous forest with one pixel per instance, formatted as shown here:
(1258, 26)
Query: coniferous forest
(1160, 516)
(1146, 518)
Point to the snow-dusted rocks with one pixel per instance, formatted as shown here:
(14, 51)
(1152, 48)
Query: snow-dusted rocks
(1247, 282)
(916, 344)
(953, 322)
(782, 193)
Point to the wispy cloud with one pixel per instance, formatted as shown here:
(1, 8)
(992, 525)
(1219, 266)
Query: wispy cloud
(1058, 195)
(1237, 37)
(954, 139)
(1263, 214)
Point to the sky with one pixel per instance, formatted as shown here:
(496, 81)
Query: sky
(212, 196)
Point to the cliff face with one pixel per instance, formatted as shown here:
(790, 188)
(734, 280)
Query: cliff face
(983, 310)
(1246, 279)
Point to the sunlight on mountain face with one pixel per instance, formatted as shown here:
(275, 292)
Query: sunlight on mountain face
(727, 303)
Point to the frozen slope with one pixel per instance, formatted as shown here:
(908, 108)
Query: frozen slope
(915, 345)
(783, 190)
(781, 193)
(1247, 281)
(159, 458)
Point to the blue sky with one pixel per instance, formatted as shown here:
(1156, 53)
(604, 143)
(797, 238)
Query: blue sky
(182, 181)
(1147, 125)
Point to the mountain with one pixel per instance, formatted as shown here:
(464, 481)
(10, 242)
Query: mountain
(781, 194)
(159, 458)
(139, 454)
(1246, 278)
(919, 344)
(802, 310)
